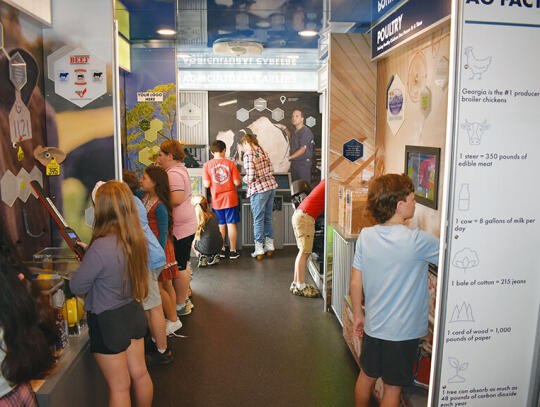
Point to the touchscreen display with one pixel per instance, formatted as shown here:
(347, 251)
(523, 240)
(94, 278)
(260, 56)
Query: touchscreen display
(73, 235)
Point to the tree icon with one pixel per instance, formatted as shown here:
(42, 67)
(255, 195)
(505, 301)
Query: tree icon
(460, 367)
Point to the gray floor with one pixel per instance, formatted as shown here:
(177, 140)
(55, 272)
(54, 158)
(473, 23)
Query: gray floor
(251, 343)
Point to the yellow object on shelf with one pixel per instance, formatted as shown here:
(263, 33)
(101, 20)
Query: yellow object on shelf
(74, 310)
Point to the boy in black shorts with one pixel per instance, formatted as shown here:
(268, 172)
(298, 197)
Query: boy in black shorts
(390, 274)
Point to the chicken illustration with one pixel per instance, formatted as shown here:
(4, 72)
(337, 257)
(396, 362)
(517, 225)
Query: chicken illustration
(477, 66)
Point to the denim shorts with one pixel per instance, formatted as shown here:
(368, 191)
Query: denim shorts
(228, 215)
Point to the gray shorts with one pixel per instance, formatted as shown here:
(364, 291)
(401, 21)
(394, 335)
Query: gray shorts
(154, 297)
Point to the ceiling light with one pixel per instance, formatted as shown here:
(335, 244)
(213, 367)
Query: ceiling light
(293, 56)
(228, 102)
(308, 33)
(166, 31)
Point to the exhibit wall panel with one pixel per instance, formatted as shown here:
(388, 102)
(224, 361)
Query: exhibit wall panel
(78, 61)
(487, 326)
(40, 10)
(353, 81)
(351, 98)
(418, 66)
(22, 216)
(151, 105)
(267, 115)
(193, 117)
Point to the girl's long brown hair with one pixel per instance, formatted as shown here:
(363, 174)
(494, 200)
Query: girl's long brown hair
(159, 176)
(116, 213)
(253, 142)
(202, 212)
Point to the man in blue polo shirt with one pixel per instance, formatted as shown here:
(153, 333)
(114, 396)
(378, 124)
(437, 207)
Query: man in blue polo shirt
(301, 147)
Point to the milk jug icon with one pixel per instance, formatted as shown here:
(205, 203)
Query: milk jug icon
(464, 199)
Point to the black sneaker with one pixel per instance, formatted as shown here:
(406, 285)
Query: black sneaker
(223, 254)
(156, 358)
(214, 259)
(234, 255)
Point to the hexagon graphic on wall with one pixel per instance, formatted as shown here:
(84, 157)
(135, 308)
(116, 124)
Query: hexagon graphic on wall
(77, 75)
(259, 104)
(144, 124)
(353, 150)
(23, 182)
(147, 154)
(155, 126)
(310, 121)
(278, 114)
(190, 114)
(242, 114)
(10, 188)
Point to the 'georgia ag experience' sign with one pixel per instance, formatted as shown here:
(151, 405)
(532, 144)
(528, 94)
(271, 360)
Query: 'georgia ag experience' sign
(413, 17)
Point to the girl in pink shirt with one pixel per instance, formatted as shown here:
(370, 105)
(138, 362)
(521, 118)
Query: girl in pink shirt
(171, 155)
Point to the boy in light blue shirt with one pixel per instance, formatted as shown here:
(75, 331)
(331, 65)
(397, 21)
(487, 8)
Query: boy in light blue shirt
(390, 274)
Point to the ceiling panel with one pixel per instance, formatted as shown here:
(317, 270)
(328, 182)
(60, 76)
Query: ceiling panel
(273, 23)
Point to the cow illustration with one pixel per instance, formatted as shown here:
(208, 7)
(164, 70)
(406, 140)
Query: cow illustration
(475, 131)
(97, 76)
(80, 77)
(64, 76)
(271, 139)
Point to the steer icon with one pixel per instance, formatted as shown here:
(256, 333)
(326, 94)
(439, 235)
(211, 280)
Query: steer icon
(97, 75)
(64, 75)
(475, 131)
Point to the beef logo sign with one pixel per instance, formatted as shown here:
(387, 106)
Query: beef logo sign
(77, 75)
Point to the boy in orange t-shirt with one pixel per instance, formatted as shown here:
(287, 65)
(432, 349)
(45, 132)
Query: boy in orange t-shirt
(222, 177)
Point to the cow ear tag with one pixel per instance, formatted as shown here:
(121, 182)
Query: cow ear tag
(20, 154)
(20, 126)
(53, 168)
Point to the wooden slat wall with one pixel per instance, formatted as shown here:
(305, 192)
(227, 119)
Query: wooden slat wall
(417, 129)
(352, 84)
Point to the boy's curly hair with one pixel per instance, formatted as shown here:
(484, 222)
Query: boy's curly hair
(385, 192)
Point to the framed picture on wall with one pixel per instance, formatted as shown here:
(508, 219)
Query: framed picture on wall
(422, 166)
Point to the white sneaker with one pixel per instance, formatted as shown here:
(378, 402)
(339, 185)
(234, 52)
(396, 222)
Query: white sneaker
(259, 250)
(269, 245)
(172, 327)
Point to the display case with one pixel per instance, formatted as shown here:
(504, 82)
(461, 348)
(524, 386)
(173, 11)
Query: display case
(75, 378)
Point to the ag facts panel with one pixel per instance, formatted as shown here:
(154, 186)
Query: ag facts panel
(489, 330)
